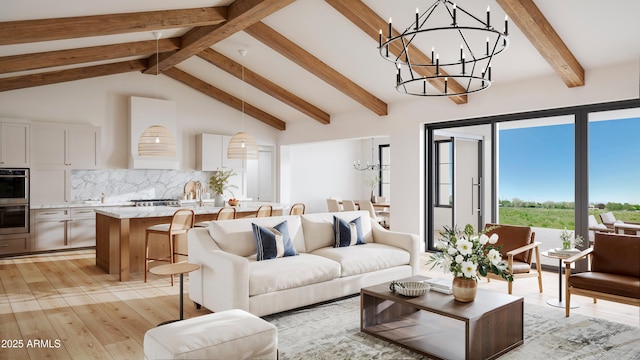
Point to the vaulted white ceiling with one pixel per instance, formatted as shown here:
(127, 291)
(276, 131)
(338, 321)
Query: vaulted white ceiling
(599, 34)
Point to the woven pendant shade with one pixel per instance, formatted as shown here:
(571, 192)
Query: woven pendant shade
(242, 146)
(157, 141)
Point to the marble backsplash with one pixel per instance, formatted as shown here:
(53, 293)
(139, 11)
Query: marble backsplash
(125, 184)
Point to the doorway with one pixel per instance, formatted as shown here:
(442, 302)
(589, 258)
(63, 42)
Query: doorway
(458, 180)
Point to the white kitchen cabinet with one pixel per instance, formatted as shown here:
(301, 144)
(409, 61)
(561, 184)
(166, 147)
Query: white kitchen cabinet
(50, 186)
(64, 228)
(14, 144)
(50, 229)
(211, 153)
(66, 146)
(82, 227)
(56, 150)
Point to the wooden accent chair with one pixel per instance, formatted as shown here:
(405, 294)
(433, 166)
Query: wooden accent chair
(297, 209)
(518, 248)
(181, 222)
(614, 274)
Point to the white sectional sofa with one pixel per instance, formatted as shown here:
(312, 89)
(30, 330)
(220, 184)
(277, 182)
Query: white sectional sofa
(231, 278)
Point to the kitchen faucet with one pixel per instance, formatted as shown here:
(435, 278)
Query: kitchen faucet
(199, 193)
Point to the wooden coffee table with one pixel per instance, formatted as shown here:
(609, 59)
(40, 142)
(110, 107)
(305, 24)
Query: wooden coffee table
(438, 326)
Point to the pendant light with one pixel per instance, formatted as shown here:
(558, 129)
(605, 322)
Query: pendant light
(157, 140)
(242, 146)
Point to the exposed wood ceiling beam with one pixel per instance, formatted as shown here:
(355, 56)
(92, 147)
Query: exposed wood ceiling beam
(25, 31)
(298, 55)
(54, 77)
(240, 14)
(50, 59)
(264, 85)
(369, 22)
(530, 20)
(224, 97)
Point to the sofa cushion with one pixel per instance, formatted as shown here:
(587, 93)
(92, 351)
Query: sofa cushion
(236, 236)
(318, 228)
(365, 258)
(269, 243)
(347, 233)
(607, 283)
(290, 272)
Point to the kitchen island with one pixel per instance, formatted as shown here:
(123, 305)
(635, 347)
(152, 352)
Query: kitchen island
(120, 232)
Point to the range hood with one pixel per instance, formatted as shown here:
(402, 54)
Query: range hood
(154, 140)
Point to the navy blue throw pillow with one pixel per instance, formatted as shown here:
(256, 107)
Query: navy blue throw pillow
(289, 249)
(269, 244)
(347, 233)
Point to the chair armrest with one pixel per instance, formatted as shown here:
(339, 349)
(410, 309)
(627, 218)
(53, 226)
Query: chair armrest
(222, 283)
(405, 241)
(523, 249)
(607, 230)
(578, 256)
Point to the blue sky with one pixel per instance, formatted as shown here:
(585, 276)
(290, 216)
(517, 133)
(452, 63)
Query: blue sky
(537, 164)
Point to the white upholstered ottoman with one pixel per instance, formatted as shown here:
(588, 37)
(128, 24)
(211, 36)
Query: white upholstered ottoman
(231, 334)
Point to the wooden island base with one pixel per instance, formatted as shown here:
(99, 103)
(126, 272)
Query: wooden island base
(120, 246)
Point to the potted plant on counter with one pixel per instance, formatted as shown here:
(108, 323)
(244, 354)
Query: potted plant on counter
(219, 182)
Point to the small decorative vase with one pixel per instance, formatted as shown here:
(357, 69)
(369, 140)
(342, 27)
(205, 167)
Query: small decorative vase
(464, 290)
(566, 245)
(219, 200)
(374, 198)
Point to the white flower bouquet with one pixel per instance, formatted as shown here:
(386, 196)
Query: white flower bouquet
(468, 254)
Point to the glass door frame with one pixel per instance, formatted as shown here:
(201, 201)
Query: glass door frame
(581, 151)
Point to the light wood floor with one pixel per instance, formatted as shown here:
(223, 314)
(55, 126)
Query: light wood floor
(61, 306)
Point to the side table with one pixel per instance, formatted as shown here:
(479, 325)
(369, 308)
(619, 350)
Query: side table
(175, 269)
(559, 303)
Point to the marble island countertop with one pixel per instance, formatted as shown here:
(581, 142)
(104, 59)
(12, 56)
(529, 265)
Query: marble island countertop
(81, 204)
(130, 212)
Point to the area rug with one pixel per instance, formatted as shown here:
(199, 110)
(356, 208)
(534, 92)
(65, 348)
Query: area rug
(332, 331)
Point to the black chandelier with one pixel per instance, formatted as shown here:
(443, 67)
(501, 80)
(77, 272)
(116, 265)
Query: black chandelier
(462, 49)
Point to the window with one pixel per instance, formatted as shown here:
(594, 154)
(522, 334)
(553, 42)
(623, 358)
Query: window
(384, 155)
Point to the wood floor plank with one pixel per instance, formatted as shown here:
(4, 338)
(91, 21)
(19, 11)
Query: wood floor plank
(66, 296)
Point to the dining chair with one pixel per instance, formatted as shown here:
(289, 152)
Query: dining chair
(333, 205)
(297, 209)
(226, 213)
(264, 211)
(181, 221)
(349, 205)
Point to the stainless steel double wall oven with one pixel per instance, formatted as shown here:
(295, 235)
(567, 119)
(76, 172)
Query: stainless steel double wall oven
(14, 201)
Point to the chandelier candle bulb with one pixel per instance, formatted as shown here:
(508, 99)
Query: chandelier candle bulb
(455, 7)
(390, 29)
(446, 80)
(489, 72)
(437, 64)
(417, 18)
(461, 53)
(487, 46)
(488, 17)
(506, 25)
(380, 39)
(463, 61)
(432, 51)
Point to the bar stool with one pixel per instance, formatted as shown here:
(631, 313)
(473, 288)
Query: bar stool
(264, 211)
(181, 222)
(226, 213)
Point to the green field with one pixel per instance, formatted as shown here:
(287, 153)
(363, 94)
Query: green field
(554, 218)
